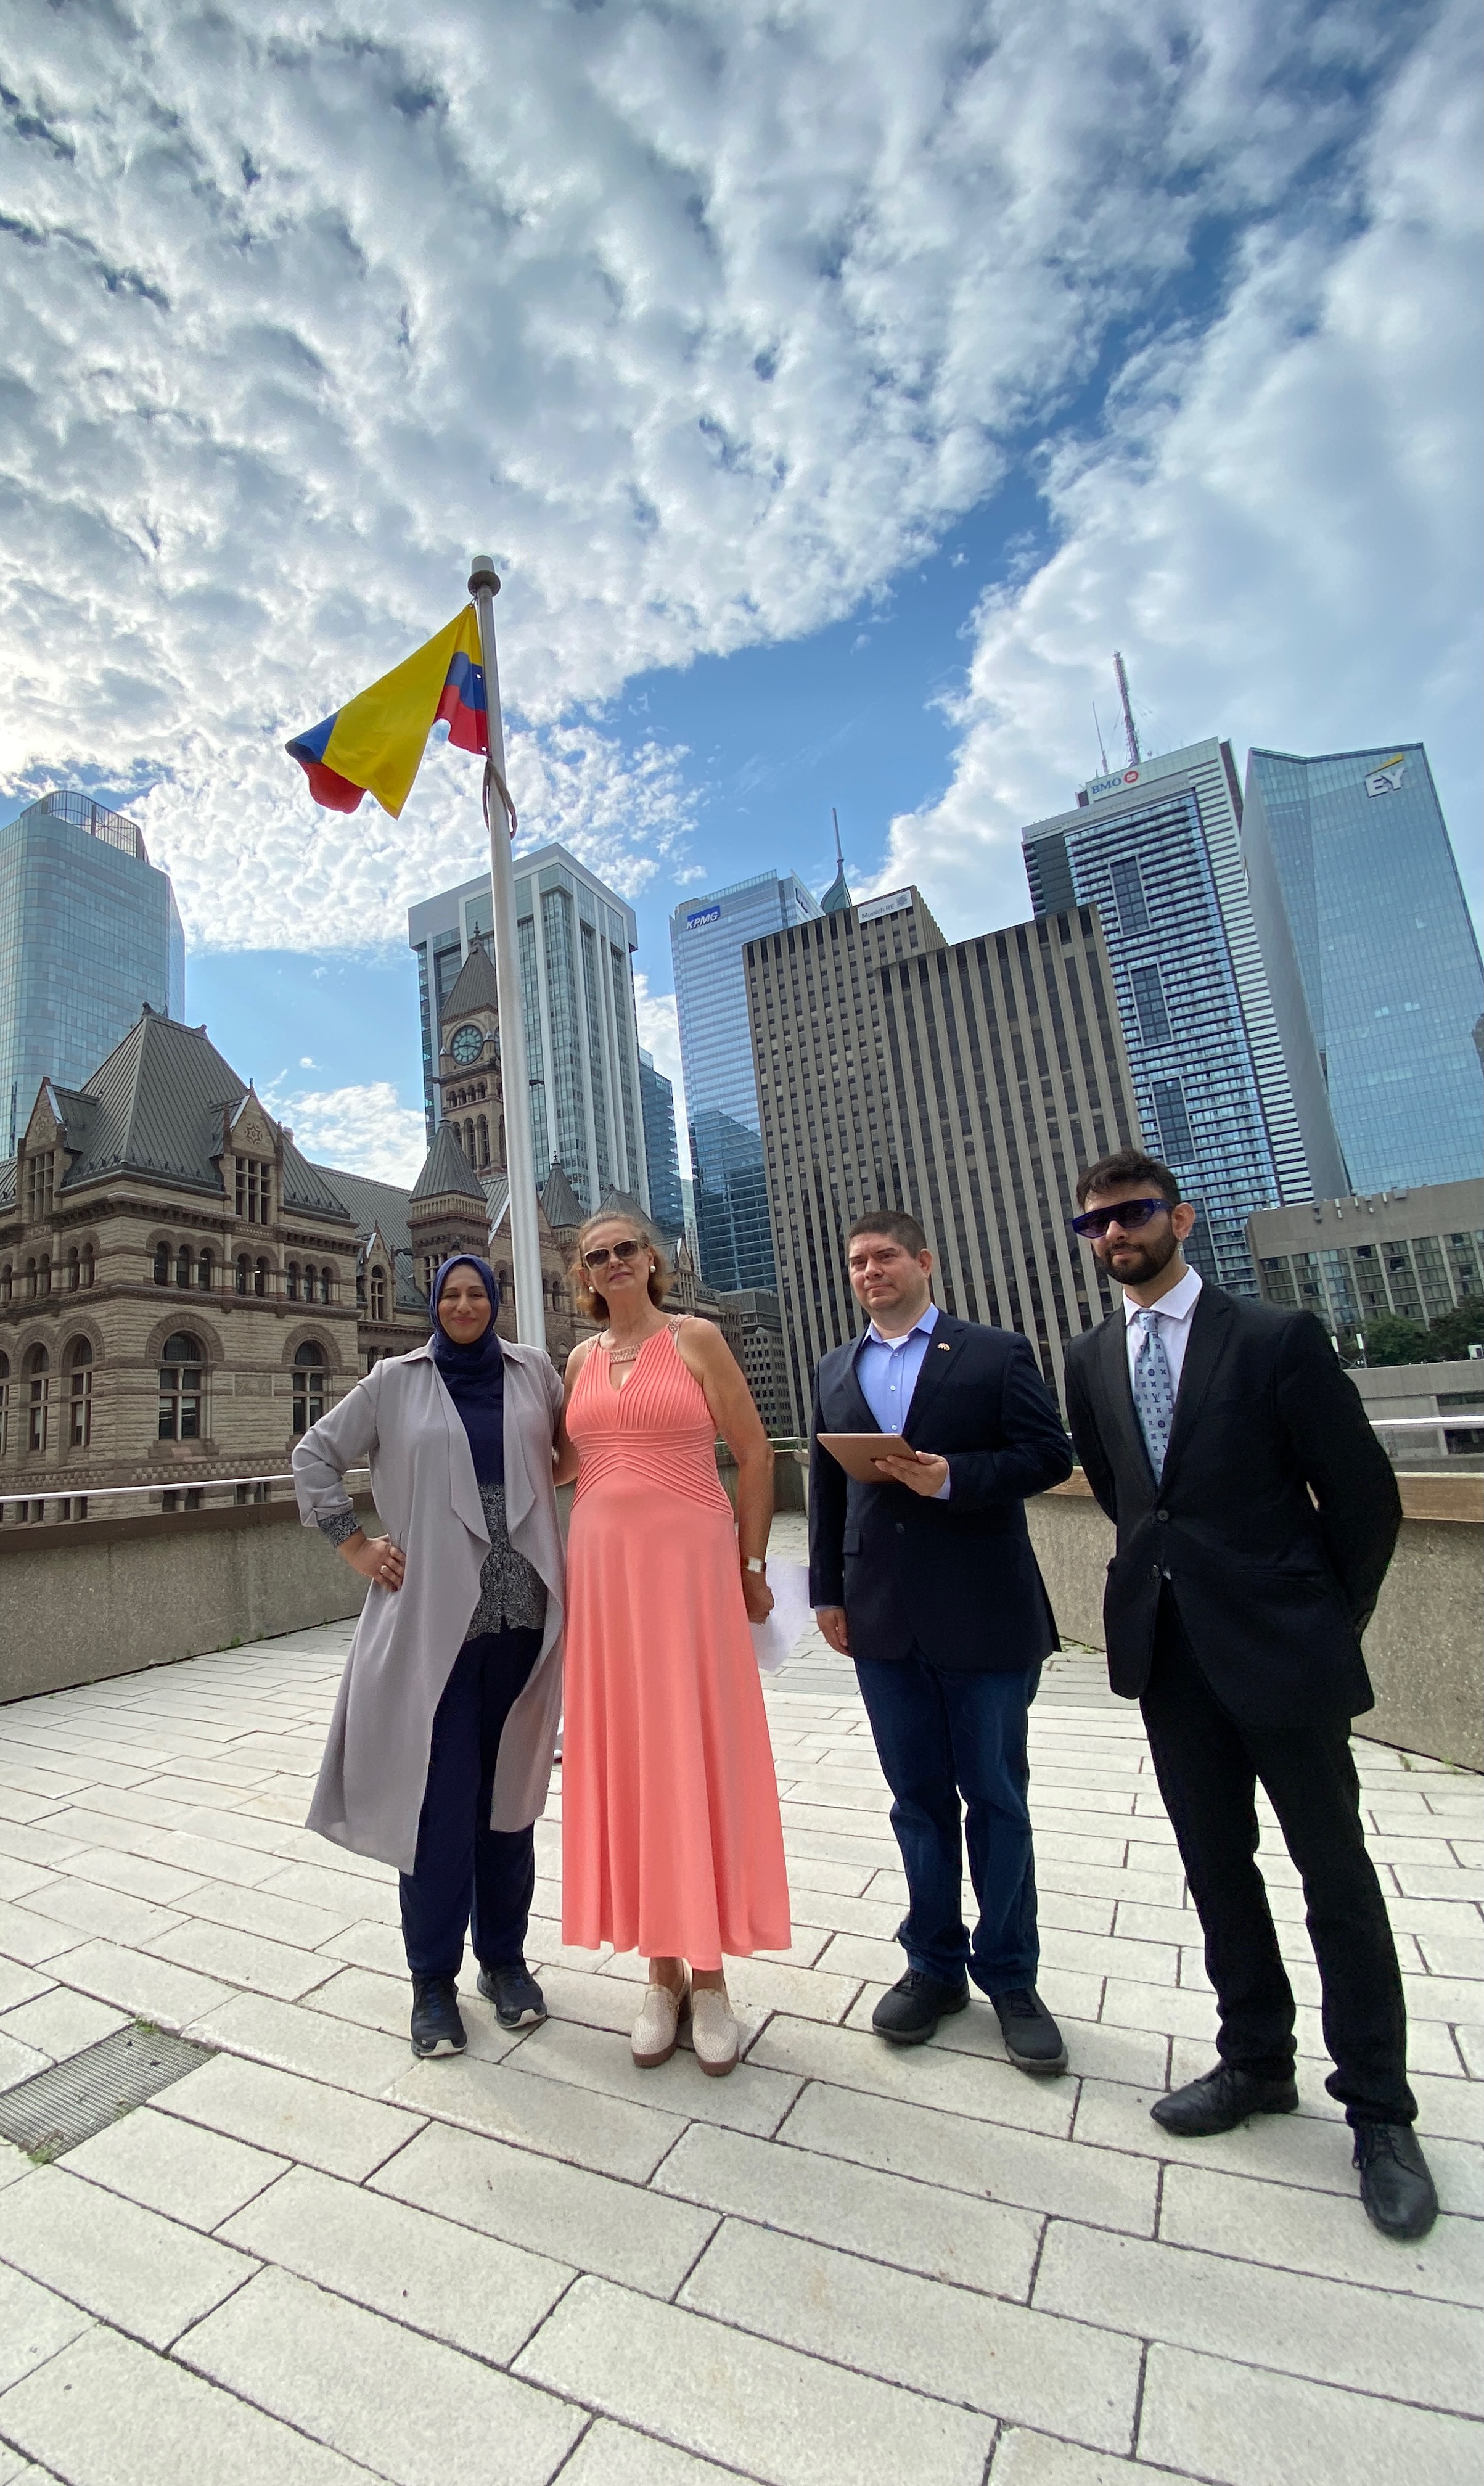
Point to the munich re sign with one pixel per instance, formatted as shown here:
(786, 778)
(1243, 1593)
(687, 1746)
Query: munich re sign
(702, 914)
(895, 902)
(1386, 780)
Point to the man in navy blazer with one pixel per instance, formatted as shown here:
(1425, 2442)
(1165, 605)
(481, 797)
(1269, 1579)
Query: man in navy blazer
(927, 1579)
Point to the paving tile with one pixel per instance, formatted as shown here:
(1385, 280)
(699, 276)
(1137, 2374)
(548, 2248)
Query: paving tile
(1030, 2171)
(138, 1983)
(1177, 2011)
(1292, 2229)
(788, 2419)
(371, 2002)
(175, 2167)
(309, 2042)
(90, 1909)
(749, 2100)
(19, 2062)
(1322, 2328)
(1449, 2109)
(34, 2323)
(1307, 2148)
(1452, 1954)
(30, 1938)
(139, 2272)
(977, 2086)
(138, 1877)
(254, 1961)
(613, 2455)
(347, 1896)
(1435, 1997)
(972, 2350)
(277, 1920)
(758, 1984)
(1243, 2427)
(640, 2239)
(468, 2288)
(1026, 2459)
(551, 2117)
(106, 2412)
(62, 2023)
(292, 2117)
(19, 1984)
(416, 2411)
(16, 1879)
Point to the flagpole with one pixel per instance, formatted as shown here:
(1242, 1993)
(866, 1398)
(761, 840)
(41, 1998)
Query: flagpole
(519, 1157)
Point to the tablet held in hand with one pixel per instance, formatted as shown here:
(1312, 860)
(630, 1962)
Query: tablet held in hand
(856, 1452)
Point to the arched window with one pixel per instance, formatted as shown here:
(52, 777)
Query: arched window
(44, 1274)
(483, 1140)
(260, 1277)
(72, 1270)
(204, 1272)
(308, 1387)
(30, 1280)
(5, 1402)
(87, 1264)
(39, 1397)
(182, 1368)
(79, 1357)
(469, 1143)
(379, 1293)
(244, 1272)
(291, 1281)
(162, 1264)
(326, 1285)
(184, 1266)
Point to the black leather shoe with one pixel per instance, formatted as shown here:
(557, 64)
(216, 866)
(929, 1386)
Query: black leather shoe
(1032, 2039)
(515, 1994)
(1219, 2101)
(910, 2012)
(1395, 2186)
(436, 2027)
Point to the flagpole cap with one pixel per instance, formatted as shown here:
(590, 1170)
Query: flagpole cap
(482, 576)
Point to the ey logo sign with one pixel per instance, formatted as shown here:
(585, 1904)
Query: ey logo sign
(1386, 781)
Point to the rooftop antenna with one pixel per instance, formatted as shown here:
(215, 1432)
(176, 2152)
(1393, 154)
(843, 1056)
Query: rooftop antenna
(839, 856)
(1098, 731)
(1130, 729)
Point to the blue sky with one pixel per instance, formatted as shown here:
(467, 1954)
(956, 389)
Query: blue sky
(837, 389)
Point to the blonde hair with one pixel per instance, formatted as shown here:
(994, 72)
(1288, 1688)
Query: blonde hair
(589, 1303)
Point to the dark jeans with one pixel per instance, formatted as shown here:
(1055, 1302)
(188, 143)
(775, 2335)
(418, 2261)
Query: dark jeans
(463, 1867)
(1208, 1769)
(941, 1733)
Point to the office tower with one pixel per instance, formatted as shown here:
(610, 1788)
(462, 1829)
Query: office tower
(657, 1104)
(819, 1045)
(753, 1326)
(576, 938)
(707, 938)
(1010, 1074)
(1155, 846)
(89, 932)
(1416, 1254)
(1357, 894)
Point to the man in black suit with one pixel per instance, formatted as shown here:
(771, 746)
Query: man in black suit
(927, 1579)
(1257, 1515)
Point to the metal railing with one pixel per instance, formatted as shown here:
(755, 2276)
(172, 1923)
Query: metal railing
(31, 1507)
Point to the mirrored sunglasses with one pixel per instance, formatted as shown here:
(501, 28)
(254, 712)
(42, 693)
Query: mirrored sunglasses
(1130, 1214)
(627, 1250)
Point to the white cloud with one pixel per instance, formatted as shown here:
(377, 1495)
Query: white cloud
(1277, 526)
(704, 318)
(362, 1130)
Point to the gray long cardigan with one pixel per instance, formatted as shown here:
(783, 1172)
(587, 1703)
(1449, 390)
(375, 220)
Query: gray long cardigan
(403, 1422)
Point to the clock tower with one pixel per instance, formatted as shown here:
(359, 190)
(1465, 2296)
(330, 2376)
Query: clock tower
(470, 1090)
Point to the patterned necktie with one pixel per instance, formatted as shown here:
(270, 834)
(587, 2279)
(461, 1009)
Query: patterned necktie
(1154, 1392)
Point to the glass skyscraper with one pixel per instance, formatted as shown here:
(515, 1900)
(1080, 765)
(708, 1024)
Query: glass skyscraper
(1358, 900)
(89, 930)
(706, 936)
(576, 938)
(657, 1103)
(1155, 849)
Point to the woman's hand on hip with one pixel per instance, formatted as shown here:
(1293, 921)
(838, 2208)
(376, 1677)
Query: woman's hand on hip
(376, 1559)
(757, 1596)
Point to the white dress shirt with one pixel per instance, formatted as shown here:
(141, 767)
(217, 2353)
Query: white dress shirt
(1174, 1311)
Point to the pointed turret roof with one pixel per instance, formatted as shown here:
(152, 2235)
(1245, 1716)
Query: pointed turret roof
(558, 1198)
(446, 1172)
(837, 897)
(474, 986)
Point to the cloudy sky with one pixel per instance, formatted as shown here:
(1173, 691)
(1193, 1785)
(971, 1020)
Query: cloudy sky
(836, 384)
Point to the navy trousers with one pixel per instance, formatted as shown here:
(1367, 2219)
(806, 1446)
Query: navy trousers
(940, 1734)
(462, 1868)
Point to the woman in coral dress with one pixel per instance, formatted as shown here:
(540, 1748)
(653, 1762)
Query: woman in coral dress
(671, 1840)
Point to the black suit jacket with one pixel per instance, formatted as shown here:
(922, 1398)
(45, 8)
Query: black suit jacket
(1273, 1525)
(958, 1578)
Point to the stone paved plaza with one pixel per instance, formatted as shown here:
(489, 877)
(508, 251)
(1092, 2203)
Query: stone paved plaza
(313, 2259)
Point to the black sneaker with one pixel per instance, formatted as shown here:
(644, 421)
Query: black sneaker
(436, 2027)
(1395, 2186)
(1221, 2101)
(515, 1994)
(1032, 2039)
(911, 2010)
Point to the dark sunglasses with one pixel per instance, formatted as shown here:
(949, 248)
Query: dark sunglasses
(621, 1252)
(1130, 1214)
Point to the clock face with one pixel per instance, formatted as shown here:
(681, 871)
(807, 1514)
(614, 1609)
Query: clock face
(467, 1045)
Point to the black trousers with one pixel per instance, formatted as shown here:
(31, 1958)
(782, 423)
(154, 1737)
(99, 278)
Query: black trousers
(1208, 1769)
(463, 1868)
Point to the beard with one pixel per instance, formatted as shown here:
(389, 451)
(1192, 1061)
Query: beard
(1140, 1261)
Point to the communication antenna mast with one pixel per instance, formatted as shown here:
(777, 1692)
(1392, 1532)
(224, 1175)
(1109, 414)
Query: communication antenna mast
(839, 856)
(1130, 729)
(1098, 731)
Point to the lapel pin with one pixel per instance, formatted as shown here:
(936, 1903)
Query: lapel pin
(943, 1347)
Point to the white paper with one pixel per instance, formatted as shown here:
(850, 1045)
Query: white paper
(776, 1640)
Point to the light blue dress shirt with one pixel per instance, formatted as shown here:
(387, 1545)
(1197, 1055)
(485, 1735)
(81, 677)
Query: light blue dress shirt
(887, 1369)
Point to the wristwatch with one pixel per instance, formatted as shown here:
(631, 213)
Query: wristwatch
(753, 1562)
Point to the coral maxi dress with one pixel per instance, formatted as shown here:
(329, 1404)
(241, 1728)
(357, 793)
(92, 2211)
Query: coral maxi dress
(671, 1838)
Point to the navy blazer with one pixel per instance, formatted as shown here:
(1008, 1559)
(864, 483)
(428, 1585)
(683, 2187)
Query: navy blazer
(957, 1578)
(1272, 1525)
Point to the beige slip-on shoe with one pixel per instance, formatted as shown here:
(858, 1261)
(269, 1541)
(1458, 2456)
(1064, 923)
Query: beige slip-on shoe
(654, 2035)
(714, 2034)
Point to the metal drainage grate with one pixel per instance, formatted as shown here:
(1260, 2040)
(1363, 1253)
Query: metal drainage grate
(57, 2108)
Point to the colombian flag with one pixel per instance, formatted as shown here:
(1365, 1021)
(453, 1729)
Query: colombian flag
(374, 744)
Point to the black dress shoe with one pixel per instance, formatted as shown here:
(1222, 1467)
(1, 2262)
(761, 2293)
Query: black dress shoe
(436, 2027)
(911, 2010)
(515, 1994)
(1395, 2186)
(1223, 2100)
(1032, 2039)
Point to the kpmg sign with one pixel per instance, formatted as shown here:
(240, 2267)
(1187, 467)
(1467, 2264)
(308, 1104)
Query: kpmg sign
(702, 914)
(896, 902)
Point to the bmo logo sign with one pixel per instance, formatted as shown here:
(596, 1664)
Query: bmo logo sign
(1112, 785)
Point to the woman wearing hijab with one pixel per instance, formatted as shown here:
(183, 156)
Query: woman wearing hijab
(440, 1747)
